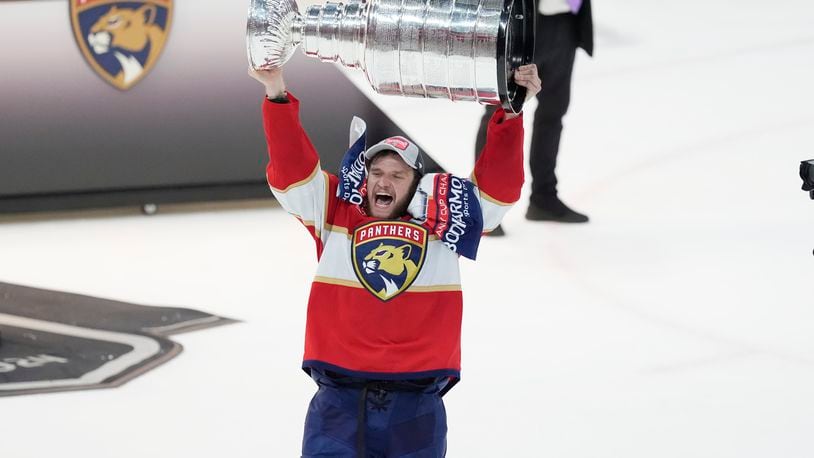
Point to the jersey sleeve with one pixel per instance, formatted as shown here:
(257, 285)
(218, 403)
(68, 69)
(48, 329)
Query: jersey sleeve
(293, 171)
(498, 172)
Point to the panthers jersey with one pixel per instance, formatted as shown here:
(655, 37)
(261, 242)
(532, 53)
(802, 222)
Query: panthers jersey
(386, 300)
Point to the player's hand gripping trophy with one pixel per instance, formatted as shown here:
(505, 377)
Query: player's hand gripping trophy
(454, 49)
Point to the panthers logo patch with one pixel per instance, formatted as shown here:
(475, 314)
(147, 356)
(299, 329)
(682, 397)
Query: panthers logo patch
(121, 40)
(387, 256)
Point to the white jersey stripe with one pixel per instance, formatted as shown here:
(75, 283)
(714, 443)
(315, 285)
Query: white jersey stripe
(492, 214)
(307, 201)
(337, 263)
(413, 288)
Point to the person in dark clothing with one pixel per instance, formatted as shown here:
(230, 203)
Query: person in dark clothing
(562, 27)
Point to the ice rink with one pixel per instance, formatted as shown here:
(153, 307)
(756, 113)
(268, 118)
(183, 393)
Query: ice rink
(678, 323)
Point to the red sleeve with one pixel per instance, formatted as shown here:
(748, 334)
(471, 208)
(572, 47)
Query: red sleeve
(499, 170)
(292, 157)
(293, 172)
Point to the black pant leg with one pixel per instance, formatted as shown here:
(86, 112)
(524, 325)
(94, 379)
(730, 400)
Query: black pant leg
(555, 54)
(556, 45)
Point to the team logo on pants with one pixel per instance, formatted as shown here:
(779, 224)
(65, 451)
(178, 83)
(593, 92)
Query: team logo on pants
(121, 40)
(387, 256)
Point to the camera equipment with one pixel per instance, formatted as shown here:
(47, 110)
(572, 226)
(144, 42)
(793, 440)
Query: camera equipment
(807, 174)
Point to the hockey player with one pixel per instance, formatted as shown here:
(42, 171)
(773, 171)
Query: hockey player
(384, 315)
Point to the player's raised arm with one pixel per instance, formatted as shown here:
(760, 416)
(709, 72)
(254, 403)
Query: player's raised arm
(293, 171)
(292, 157)
(499, 170)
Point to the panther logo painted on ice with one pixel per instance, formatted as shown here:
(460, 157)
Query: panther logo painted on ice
(121, 39)
(388, 255)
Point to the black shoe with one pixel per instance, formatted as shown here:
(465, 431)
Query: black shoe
(496, 232)
(555, 211)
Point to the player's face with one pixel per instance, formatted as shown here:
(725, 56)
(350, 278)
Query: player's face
(389, 186)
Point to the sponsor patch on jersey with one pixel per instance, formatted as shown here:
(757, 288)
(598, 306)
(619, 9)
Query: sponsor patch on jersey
(121, 40)
(387, 256)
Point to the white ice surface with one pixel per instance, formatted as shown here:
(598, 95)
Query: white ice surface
(679, 323)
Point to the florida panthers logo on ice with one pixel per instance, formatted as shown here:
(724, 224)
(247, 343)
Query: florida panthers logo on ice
(121, 39)
(387, 256)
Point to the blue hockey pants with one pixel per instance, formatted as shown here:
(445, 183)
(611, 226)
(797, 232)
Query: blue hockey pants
(358, 418)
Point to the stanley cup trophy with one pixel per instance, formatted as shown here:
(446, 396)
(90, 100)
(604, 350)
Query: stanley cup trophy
(453, 49)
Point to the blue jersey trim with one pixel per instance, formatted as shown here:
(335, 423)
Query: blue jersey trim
(453, 374)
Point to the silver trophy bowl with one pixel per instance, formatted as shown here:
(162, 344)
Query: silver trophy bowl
(452, 49)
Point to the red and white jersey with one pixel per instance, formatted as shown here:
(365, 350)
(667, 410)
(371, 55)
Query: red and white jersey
(386, 300)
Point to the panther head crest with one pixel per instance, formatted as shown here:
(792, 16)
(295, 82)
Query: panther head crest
(125, 32)
(390, 263)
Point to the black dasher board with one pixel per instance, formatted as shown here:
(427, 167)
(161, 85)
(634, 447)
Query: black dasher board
(56, 341)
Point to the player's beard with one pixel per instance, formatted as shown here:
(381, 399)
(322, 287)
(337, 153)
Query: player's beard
(399, 208)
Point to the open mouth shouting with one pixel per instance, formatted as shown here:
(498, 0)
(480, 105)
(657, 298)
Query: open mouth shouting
(389, 186)
(383, 200)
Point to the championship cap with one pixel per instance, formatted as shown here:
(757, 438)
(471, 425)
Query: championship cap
(408, 151)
